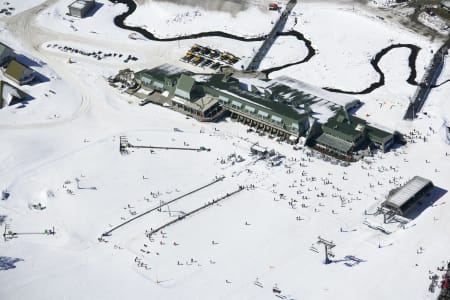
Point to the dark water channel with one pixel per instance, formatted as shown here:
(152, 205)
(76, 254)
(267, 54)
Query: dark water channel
(119, 21)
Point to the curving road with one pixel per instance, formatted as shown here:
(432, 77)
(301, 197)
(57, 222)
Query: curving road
(24, 25)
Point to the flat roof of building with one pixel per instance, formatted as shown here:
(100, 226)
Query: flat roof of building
(80, 4)
(338, 99)
(302, 96)
(258, 148)
(234, 88)
(402, 195)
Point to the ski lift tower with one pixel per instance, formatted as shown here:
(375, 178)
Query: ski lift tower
(123, 145)
(328, 246)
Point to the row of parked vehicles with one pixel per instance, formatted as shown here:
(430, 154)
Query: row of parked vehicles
(206, 57)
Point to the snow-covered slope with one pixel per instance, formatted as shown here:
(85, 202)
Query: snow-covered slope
(242, 247)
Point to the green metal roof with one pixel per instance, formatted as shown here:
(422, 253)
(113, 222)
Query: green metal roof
(162, 72)
(15, 70)
(231, 86)
(334, 143)
(348, 125)
(185, 83)
(378, 134)
(276, 98)
(295, 97)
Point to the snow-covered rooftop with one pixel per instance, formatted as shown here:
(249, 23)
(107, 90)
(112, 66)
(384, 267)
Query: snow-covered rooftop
(406, 192)
(339, 99)
(80, 4)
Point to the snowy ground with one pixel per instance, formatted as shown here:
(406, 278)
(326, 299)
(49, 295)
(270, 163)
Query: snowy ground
(173, 19)
(15, 7)
(285, 50)
(344, 52)
(263, 233)
(343, 40)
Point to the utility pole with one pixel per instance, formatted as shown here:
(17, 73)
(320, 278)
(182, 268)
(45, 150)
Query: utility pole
(328, 246)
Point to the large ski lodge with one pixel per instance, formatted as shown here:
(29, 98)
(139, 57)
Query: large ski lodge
(283, 107)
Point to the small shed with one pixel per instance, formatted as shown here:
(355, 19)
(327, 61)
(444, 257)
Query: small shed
(19, 73)
(6, 54)
(80, 8)
(402, 199)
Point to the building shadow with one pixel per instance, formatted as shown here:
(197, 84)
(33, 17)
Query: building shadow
(349, 260)
(93, 10)
(39, 78)
(7, 263)
(222, 118)
(22, 103)
(3, 219)
(354, 109)
(24, 60)
(427, 200)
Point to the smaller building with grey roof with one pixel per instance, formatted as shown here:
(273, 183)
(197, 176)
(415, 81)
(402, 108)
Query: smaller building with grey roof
(80, 8)
(402, 199)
